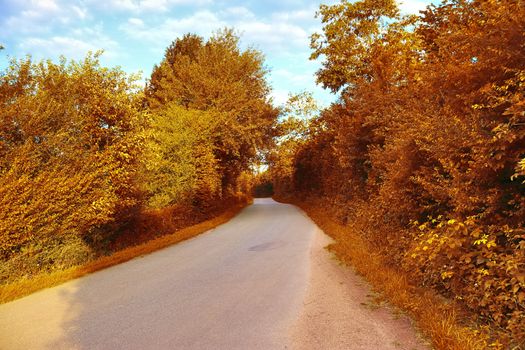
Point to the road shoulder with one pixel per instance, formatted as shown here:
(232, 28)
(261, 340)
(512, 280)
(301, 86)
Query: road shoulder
(339, 311)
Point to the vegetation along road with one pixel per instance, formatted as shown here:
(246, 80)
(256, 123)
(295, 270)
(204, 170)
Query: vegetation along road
(260, 281)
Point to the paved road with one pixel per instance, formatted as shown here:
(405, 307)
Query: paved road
(239, 286)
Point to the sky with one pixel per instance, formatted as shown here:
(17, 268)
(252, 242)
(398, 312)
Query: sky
(135, 33)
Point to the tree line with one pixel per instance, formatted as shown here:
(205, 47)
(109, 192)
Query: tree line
(423, 153)
(87, 155)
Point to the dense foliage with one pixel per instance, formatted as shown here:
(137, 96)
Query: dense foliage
(179, 165)
(69, 151)
(423, 153)
(216, 76)
(89, 162)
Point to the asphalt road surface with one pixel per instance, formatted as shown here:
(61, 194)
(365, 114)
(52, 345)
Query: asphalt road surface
(239, 286)
(236, 287)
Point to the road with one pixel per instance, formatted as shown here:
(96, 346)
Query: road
(239, 286)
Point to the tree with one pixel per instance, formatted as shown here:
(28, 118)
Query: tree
(350, 29)
(423, 152)
(69, 145)
(293, 130)
(179, 162)
(218, 77)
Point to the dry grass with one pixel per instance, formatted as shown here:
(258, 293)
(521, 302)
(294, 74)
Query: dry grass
(442, 321)
(25, 287)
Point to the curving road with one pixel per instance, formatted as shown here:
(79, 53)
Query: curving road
(260, 281)
(236, 287)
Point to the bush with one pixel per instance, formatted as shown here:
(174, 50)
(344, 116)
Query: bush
(68, 152)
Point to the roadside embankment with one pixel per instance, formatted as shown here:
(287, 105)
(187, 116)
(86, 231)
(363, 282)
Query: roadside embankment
(340, 310)
(444, 322)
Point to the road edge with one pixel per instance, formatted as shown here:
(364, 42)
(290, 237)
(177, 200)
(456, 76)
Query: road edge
(25, 287)
(444, 323)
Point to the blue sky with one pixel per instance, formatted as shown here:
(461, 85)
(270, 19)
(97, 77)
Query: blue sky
(134, 34)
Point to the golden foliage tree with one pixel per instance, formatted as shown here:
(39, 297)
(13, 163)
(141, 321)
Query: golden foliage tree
(179, 161)
(424, 151)
(218, 77)
(295, 125)
(69, 149)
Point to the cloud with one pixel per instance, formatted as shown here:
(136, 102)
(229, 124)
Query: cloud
(46, 5)
(237, 13)
(140, 6)
(267, 34)
(73, 46)
(280, 96)
(135, 22)
(42, 16)
(81, 13)
(297, 80)
(412, 6)
(274, 36)
(303, 15)
(202, 22)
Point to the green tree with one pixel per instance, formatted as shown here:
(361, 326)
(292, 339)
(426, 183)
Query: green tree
(218, 77)
(179, 162)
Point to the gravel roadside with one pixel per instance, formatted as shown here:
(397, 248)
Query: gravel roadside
(339, 311)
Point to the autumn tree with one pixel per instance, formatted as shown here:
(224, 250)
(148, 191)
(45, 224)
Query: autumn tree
(292, 131)
(180, 166)
(69, 146)
(218, 77)
(423, 152)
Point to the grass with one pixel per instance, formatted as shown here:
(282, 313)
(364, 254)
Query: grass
(26, 286)
(440, 320)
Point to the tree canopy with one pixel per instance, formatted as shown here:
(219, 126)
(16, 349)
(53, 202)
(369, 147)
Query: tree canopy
(218, 77)
(89, 159)
(69, 149)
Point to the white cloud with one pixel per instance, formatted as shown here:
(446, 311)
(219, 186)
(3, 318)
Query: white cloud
(276, 33)
(153, 5)
(37, 16)
(237, 13)
(73, 46)
(136, 22)
(266, 35)
(412, 6)
(81, 13)
(297, 80)
(280, 96)
(140, 6)
(303, 15)
(274, 36)
(46, 5)
(202, 23)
